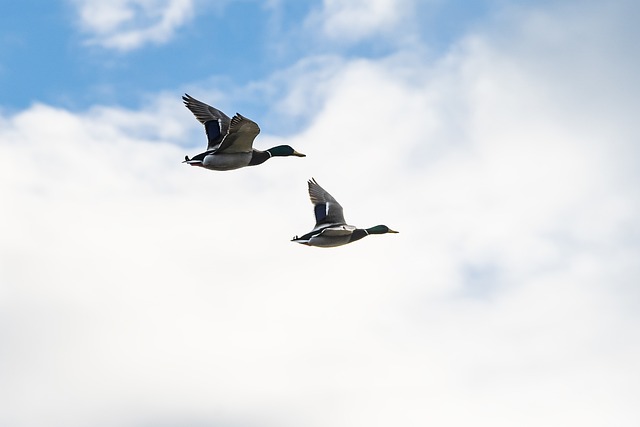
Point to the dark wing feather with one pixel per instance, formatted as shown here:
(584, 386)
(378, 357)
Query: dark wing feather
(205, 112)
(239, 139)
(213, 128)
(327, 209)
(208, 115)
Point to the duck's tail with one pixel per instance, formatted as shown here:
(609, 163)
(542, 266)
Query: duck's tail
(300, 240)
(192, 162)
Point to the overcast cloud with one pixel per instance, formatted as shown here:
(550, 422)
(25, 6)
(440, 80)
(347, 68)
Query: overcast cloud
(137, 291)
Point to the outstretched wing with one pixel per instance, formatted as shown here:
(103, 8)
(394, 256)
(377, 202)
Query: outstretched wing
(327, 209)
(216, 122)
(239, 139)
(204, 112)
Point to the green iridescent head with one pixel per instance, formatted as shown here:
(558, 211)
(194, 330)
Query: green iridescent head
(380, 229)
(283, 151)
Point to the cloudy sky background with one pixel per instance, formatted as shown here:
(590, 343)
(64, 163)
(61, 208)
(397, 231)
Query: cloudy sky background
(499, 137)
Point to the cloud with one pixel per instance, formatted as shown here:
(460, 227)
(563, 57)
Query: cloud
(355, 20)
(130, 24)
(137, 290)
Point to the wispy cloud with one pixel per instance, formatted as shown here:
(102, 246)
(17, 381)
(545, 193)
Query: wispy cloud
(130, 24)
(352, 21)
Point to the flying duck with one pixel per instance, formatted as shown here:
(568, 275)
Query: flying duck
(230, 141)
(331, 228)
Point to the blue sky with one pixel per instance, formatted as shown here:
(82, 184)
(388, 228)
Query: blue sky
(237, 41)
(498, 137)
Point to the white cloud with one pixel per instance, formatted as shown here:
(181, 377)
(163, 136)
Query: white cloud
(350, 21)
(139, 291)
(129, 24)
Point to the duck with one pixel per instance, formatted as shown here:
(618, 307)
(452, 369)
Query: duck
(229, 140)
(331, 229)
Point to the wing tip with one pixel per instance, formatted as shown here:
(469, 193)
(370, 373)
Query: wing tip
(187, 99)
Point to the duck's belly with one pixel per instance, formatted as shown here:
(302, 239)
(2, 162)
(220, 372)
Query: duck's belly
(225, 162)
(329, 241)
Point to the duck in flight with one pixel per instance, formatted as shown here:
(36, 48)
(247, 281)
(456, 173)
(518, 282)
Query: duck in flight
(230, 140)
(331, 228)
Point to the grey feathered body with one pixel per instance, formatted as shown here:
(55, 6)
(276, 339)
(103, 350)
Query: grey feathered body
(330, 236)
(227, 161)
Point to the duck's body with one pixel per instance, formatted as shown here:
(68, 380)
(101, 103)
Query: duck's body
(331, 229)
(230, 140)
(330, 236)
(220, 161)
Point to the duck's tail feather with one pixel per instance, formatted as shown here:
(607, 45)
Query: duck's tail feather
(300, 240)
(192, 162)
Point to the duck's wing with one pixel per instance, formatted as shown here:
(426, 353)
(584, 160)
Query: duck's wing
(239, 138)
(327, 209)
(204, 112)
(215, 122)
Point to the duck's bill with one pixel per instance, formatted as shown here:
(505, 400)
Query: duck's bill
(393, 231)
(295, 153)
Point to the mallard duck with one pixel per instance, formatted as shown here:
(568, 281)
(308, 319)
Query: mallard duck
(230, 141)
(331, 228)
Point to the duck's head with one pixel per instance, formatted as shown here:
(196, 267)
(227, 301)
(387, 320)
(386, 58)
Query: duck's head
(284, 150)
(380, 229)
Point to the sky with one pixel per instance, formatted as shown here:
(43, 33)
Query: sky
(500, 138)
